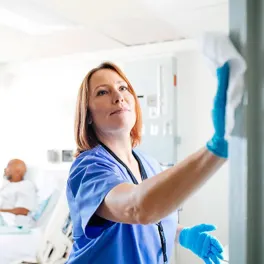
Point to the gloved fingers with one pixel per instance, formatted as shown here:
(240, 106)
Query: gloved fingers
(223, 79)
(217, 245)
(223, 71)
(205, 245)
(207, 260)
(220, 103)
(205, 228)
(214, 258)
(217, 253)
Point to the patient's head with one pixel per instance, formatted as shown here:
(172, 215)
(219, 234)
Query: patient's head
(15, 170)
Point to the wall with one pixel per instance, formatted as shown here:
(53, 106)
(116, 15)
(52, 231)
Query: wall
(37, 109)
(37, 101)
(39, 97)
(196, 88)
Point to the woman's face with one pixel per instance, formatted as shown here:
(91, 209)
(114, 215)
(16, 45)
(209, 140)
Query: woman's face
(111, 105)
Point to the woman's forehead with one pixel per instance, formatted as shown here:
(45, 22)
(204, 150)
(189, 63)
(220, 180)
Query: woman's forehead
(105, 76)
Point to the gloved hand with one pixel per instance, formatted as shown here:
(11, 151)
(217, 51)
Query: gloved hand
(218, 145)
(202, 244)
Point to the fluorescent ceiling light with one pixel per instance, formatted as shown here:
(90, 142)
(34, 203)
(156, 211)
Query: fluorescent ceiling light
(32, 18)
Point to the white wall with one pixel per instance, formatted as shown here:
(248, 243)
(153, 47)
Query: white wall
(196, 88)
(37, 101)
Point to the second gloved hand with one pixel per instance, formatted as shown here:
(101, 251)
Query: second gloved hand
(201, 243)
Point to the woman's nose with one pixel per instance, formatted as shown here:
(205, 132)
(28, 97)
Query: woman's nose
(118, 97)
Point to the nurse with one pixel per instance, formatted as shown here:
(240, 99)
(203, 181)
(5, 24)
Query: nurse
(123, 206)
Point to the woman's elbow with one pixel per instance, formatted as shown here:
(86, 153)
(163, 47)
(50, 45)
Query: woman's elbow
(140, 214)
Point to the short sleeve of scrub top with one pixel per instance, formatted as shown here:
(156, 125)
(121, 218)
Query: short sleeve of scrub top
(96, 177)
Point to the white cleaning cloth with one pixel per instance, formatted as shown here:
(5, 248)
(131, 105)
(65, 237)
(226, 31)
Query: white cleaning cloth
(217, 49)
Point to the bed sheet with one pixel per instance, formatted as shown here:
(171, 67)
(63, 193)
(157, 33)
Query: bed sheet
(18, 247)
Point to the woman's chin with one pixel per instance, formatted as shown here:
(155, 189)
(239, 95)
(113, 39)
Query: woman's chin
(122, 127)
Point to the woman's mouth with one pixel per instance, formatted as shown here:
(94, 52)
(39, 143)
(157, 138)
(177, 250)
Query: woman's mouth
(119, 111)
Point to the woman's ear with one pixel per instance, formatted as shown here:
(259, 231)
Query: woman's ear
(89, 118)
(90, 121)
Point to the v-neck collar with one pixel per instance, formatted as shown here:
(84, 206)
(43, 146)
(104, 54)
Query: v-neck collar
(141, 167)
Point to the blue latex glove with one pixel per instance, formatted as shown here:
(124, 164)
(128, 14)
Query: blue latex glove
(218, 145)
(202, 244)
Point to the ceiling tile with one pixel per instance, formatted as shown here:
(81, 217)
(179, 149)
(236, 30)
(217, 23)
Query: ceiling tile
(28, 47)
(140, 30)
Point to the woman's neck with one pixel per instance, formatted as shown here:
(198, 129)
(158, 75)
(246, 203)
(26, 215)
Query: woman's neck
(121, 146)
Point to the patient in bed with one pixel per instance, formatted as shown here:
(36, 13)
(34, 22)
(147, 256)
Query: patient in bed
(17, 196)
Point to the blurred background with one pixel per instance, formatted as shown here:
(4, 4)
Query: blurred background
(46, 49)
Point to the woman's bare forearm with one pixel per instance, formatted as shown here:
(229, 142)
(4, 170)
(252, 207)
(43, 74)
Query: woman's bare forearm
(159, 196)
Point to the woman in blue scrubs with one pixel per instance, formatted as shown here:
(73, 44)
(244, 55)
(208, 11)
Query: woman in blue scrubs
(122, 205)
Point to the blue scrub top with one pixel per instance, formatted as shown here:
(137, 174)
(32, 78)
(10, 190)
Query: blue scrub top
(96, 240)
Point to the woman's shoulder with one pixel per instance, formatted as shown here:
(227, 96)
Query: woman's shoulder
(87, 157)
(90, 160)
(98, 150)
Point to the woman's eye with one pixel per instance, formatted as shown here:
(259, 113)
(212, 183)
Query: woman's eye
(102, 92)
(123, 88)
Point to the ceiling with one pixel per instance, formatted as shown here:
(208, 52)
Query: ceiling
(103, 24)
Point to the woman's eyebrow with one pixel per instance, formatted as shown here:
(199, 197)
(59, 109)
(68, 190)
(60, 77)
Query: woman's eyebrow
(106, 85)
(100, 86)
(121, 82)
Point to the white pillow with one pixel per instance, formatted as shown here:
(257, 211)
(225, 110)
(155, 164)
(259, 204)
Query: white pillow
(42, 205)
(49, 183)
(47, 212)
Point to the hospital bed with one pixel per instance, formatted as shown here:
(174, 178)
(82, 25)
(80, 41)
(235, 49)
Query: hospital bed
(56, 241)
(49, 240)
